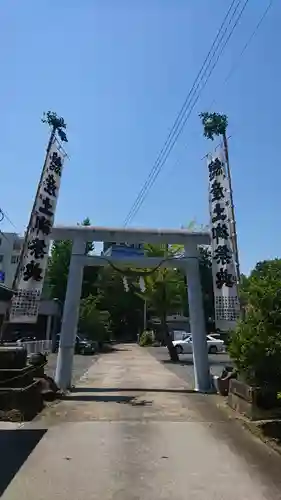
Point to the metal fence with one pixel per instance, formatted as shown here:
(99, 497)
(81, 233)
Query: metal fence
(36, 346)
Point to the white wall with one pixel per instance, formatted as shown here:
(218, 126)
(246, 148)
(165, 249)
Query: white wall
(46, 308)
(10, 247)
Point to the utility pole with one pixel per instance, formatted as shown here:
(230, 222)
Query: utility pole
(232, 208)
(216, 124)
(56, 124)
(144, 315)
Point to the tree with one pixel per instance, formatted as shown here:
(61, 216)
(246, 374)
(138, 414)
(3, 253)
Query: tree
(125, 308)
(165, 292)
(58, 267)
(93, 322)
(255, 345)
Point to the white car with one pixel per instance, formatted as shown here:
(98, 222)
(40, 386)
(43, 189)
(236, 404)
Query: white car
(184, 346)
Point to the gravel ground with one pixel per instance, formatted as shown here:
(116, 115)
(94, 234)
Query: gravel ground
(184, 369)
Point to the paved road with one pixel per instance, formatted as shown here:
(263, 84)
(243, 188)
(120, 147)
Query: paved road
(80, 365)
(184, 369)
(131, 430)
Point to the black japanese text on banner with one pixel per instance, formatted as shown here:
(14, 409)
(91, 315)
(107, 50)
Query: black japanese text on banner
(227, 307)
(25, 303)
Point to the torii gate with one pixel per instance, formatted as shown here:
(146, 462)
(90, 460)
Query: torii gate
(80, 235)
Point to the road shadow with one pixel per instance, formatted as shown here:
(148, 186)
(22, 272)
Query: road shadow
(189, 362)
(129, 389)
(92, 394)
(16, 446)
(99, 399)
(178, 363)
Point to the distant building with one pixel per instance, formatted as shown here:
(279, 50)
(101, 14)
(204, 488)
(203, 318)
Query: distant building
(107, 245)
(121, 249)
(10, 248)
(50, 310)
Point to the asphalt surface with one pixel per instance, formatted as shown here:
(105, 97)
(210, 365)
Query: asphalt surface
(184, 369)
(80, 365)
(133, 430)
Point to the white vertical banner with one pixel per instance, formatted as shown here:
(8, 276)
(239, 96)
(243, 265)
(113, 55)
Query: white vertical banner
(227, 307)
(25, 303)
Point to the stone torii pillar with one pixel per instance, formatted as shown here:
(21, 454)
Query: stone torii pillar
(80, 236)
(70, 316)
(197, 321)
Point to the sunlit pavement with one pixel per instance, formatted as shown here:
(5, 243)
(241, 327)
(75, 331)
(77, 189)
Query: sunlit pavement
(184, 369)
(132, 430)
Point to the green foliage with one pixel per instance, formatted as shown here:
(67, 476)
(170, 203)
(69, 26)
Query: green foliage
(58, 268)
(146, 338)
(165, 288)
(126, 308)
(214, 124)
(93, 322)
(255, 346)
(55, 122)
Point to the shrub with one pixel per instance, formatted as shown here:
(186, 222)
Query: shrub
(255, 348)
(146, 338)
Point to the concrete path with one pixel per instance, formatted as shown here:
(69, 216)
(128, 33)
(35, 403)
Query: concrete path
(132, 430)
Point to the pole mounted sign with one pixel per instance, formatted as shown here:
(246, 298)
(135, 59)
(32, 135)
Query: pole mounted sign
(227, 307)
(25, 303)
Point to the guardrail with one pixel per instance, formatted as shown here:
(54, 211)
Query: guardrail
(36, 346)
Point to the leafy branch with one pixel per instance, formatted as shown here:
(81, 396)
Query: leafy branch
(57, 123)
(214, 124)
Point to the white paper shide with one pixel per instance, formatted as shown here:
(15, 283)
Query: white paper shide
(25, 303)
(227, 307)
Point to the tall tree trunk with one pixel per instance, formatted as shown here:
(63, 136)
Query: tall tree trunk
(167, 337)
(168, 340)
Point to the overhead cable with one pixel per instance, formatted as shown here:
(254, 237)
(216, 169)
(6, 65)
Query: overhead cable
(213, 57)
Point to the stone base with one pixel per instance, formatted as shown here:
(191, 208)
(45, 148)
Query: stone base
(12, 357)
(243, 398)
(18, 404)
(16, 377)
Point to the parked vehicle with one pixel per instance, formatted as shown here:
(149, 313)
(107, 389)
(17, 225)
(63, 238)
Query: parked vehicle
(185, 346)
(216, 336)
(82, 345)
(179, 334)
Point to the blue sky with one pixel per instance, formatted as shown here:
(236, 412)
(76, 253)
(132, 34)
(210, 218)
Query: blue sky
(118, 71)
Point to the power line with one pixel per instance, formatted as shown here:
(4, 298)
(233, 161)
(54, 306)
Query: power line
(156, 170)
(245, 47)
(235, 65)
(164, 153)
(186, 103)
(3, 215)
(7, 217)
(232, 70)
